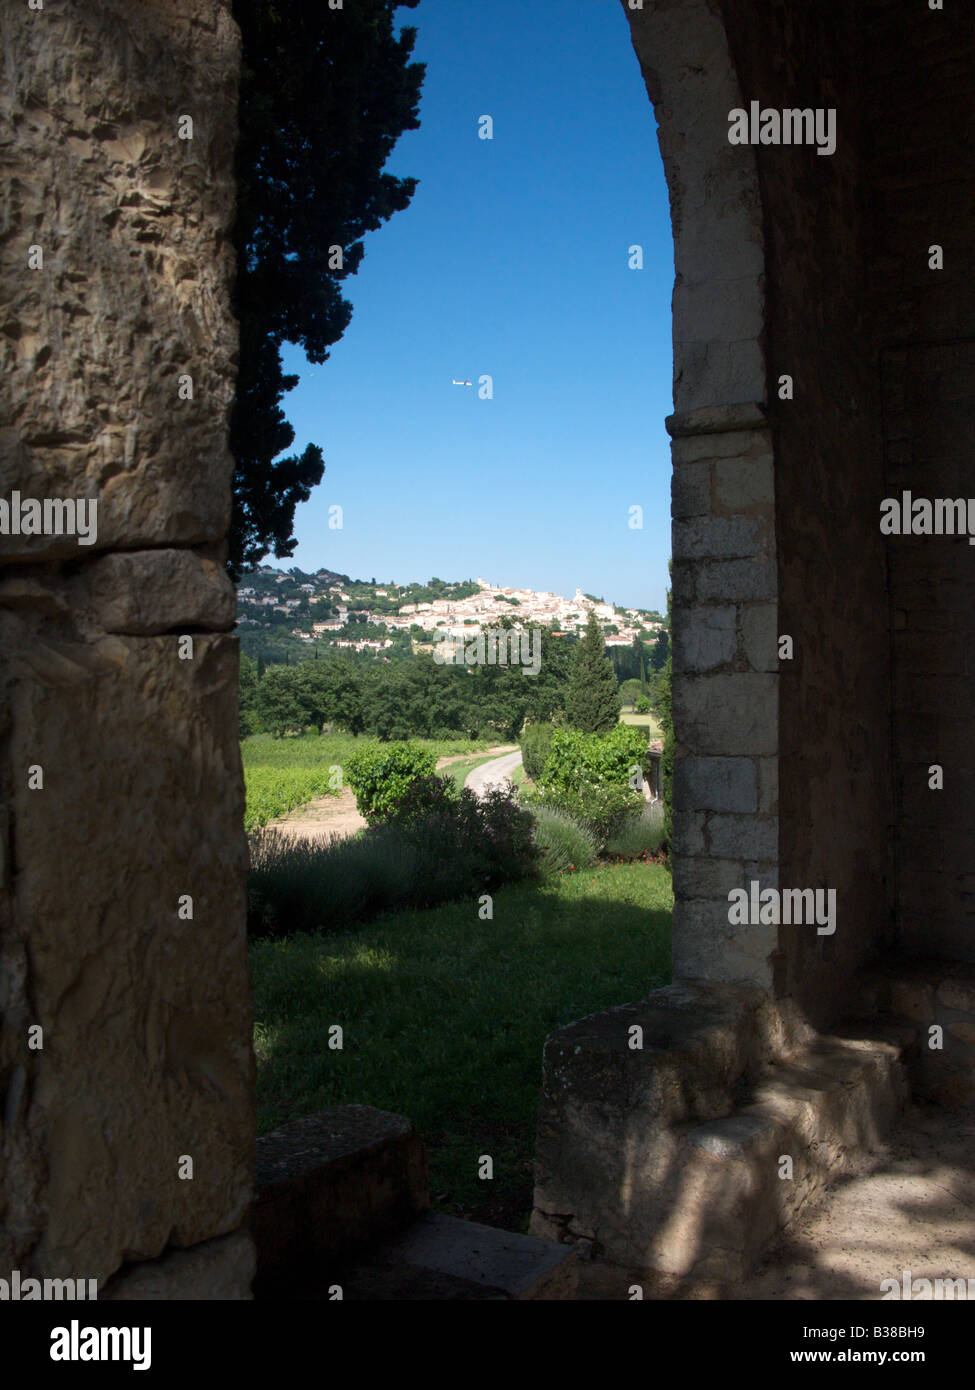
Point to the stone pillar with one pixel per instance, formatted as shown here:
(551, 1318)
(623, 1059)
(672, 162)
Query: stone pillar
(725, 586)
(126, 1064)
(725, 688)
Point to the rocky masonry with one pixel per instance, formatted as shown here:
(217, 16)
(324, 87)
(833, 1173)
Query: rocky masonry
(126, 1069)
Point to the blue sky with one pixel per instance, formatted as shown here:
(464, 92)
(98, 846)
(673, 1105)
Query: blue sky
(511, 261)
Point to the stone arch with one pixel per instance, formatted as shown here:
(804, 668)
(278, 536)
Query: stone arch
(724, 582)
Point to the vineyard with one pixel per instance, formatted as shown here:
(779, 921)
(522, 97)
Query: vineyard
(281, 774)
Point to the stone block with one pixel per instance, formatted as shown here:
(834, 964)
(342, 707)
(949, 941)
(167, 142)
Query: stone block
(760, 636)
(744, 837)
(443, 1257)
(331, 1184)
(705, 877)
(718, 538)
(153, 591)
(689, 833)
(732, 715)
(716, 784)
(135, 226)
(216, 1270)
(148, 1057)
(690, 490)
(735, 581)
(744, 485)
(704, 638)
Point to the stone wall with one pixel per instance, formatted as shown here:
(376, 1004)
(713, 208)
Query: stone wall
(834, 694)
(921, 136)
(724, 578)
(121, 782)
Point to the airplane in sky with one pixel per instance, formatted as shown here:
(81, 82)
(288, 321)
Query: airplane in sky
(461, 383)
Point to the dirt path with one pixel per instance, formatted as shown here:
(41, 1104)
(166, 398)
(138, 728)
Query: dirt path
(493, 774)
(335, 817)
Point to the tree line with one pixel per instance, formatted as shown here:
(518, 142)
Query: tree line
(418, 698)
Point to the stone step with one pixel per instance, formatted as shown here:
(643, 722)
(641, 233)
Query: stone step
(936, 998)
(748, 1174)
(330, 1185)
(444, 1257)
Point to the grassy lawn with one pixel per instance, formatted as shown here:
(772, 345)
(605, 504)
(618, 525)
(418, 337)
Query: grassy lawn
(444, 1017)
(281, 774)
(644, 721)
(520, 778)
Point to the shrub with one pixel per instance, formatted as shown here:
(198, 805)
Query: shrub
(418, 858)
(562, 842)
(643, 705)
(381, 775)
(591, 777)
(576, 759)
(642, 834)
(601, 807)
(536, 743)
(423, 796)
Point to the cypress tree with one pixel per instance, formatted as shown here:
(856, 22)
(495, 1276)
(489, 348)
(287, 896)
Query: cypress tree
(592, 700)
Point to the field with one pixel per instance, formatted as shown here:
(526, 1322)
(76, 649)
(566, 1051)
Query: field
(281, 774)
(643, 721)
(444, 1017)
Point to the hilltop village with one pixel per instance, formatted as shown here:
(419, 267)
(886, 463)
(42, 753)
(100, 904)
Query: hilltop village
(367, 616)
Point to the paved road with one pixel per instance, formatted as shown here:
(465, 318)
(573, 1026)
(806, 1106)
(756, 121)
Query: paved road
(492, 774)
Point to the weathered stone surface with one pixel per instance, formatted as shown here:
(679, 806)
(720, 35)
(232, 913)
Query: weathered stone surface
(705, 638)
(134, 227)
(744, 837)
(442, 1257)
(218, 1269)
(151, 591)
(147, 1062)
(331, 1184)
(715, 784)
(728, 714)
(147, 1054)
(688, 1163)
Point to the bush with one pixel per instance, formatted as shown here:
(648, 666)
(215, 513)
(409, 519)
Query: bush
(536, 743)
(640, 835)
(381, 777)
(576, 759)
(591, 776)
(643, 705)
(562, 841)
(601, 807)
(419, 858)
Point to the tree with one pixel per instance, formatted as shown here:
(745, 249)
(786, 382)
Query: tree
(247, 719)
(630, 691)
(665, 713)
(279, 702)
(332, 692)
(660, 650)
(324, 96)
(592, 701)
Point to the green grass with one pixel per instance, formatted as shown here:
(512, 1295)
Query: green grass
(281, 774)
(520, 778)
(444, 1017)
(644, 721)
